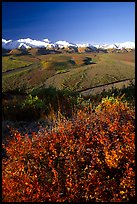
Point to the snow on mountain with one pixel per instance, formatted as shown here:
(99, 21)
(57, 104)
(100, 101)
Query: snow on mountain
(106, 46)
(97, 46)
(4, 43)
(111, 46)
(117, 45)
(92, 46)
(46, 40)
(49, 43)
(86, 45)
(23, 46)
(24, 43)
(29, 43)
(83, 45)
(10, 45)
(126, 45)
(61, 44)
(27, 40)
(33, 43)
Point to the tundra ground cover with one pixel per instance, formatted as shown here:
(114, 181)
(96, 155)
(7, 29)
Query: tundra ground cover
(9, 63)
(58, 69)
(88, 157)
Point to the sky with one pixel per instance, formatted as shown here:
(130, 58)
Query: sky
(76, 22)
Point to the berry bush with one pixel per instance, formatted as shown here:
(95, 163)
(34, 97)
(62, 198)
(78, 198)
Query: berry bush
(90, 157)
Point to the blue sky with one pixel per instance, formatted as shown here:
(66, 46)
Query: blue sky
(77, 22)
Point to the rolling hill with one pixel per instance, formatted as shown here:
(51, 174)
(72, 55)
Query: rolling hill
(65, 70)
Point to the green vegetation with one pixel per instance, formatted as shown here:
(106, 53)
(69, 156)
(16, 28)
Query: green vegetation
(9, 63)
(41, 101)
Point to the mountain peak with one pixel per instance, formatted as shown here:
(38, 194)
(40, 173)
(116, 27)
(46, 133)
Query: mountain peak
(30, 43)
(46, 40)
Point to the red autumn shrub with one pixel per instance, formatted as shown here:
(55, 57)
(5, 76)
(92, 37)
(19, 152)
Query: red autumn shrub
(88, 158)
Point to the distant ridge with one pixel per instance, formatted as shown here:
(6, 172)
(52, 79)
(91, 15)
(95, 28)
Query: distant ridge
(45, 43)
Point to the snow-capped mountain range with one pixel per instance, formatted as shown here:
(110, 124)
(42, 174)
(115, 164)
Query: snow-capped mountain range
(30, 43)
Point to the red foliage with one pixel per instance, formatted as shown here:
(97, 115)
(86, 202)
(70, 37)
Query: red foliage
(88, 158)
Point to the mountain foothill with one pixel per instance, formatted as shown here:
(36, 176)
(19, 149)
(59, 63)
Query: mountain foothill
(29, 46)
